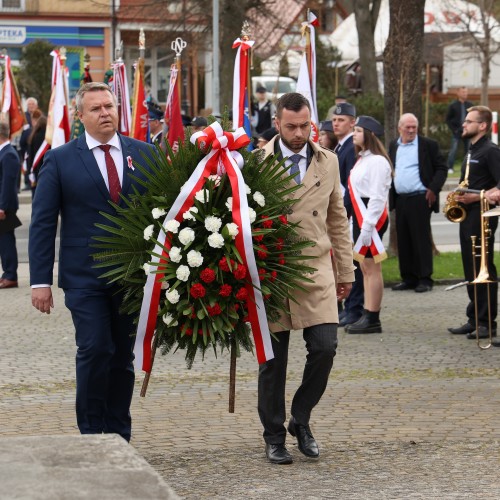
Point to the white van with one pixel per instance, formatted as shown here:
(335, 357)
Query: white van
(276, 85)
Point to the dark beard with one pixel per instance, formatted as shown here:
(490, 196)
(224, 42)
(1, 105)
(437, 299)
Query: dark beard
(468, 135)
(291, 147)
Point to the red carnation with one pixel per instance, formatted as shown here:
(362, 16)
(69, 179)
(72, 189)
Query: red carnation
(279, 245)
(274, 275)
(188, 332)
(207, 275)
(224, 265)
(214, 310)
(197, 291)
(262, 253)
(267, 296)
(283, 219)
(262, 274)
(240, 272)
(281, 260)
(267, 222)
(225, 290)
(242, 294)
(258, 237)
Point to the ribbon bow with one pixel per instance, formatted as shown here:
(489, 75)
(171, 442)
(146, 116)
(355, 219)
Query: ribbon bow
(221, 143)
(244, 44)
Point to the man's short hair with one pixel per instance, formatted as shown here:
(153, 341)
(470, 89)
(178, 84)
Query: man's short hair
(4, 130)
(92, 87)
(485, 114)
(293, 101)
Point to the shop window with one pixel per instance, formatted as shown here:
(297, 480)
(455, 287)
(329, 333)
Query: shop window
(11, 5)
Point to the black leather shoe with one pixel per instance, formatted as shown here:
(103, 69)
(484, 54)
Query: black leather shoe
(349, 319)
(278, 454)
(482, 333)
(305, 440)
(462, 330)
(422, 288)
(364, 325)
(402, 286)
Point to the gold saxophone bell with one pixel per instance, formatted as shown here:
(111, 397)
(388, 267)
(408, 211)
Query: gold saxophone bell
(453, 210)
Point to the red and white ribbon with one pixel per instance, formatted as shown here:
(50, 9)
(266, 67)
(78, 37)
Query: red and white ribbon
(240, 79)
(377, 247)
(223, 158)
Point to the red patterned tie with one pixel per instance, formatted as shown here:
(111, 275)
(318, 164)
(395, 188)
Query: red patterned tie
(113, 179)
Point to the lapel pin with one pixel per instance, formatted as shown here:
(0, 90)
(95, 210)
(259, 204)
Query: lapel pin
(130, 164)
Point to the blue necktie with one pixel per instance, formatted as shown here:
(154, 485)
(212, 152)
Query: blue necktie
(294, 167)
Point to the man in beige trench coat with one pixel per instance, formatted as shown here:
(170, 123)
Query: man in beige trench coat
(320, 211)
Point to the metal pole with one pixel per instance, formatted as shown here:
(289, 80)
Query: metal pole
(215, 59)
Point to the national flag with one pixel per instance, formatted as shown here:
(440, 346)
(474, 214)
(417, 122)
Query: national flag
(58, 127)
(173, 118)
(306, 82)
(241, 105)
(10, 104)
(140, 129)
(120, 88)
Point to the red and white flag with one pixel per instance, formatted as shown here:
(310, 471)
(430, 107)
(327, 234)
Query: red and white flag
(173, 118)
(241, 112)
(10, 105)
(58, 126)
(120, 88)
(139, 106)
(306, 82)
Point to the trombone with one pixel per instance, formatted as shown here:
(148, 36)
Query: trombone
(483, 276)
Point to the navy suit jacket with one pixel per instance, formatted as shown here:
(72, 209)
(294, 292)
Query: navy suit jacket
(71, 184)
(9, 172)
(347, 159)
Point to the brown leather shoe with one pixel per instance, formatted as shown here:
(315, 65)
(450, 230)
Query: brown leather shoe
(8, 283)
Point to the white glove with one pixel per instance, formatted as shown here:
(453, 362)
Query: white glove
(366, 236)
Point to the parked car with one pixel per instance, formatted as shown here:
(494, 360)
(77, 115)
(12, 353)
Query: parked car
(276, 85)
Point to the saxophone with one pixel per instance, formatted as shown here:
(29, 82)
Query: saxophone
(453, 210)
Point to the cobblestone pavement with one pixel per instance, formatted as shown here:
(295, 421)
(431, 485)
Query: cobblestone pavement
(411, 413)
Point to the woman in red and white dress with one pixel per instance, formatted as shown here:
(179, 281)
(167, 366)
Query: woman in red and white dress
(369, 183)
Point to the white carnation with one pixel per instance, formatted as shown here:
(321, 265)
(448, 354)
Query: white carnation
(202, 195)
(165, 285)
(259, 198)
(169, 320)
(213, 224)
(216, 240)
(229, 203)
(232, 229)
(194, 258)
(186, 236)
(215, 179)
(172, 226)
(182, 273)
(147, 268)
(252, 215)
(158, 212)
(175, 254)
(247, 189)
(188, 215)
(172, 296)
(148, 232)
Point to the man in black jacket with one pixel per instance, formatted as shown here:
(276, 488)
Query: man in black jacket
(454, 119)
(482, 170)
(420, 172)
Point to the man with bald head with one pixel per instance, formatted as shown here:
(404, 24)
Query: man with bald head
(420, 172)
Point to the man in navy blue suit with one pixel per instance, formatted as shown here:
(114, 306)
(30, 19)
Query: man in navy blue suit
(9, 203)
(344, 116)
(77, 181)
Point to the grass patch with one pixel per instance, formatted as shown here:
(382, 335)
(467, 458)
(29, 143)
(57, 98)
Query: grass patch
(447, 266)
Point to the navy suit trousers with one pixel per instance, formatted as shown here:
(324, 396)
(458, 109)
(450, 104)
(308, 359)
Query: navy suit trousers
(8, 255)
(104, 361)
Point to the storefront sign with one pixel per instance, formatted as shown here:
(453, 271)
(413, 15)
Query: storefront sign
(14, 35)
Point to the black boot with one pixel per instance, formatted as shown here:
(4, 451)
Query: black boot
(368, 323)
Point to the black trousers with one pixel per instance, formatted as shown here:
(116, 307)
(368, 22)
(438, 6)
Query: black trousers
(471, 226)
(413, 227)
(321, 345)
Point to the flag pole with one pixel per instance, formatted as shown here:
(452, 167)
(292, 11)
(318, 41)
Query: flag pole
(138, 99)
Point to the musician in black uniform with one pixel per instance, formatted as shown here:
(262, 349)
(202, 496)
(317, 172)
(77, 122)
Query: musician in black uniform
(483, 173)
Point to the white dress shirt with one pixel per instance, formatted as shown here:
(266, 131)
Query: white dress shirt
(303, 161)
(115, 152)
